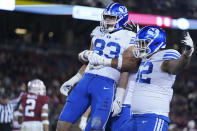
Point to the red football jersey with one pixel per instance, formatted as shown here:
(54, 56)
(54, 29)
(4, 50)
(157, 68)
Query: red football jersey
(32, 105)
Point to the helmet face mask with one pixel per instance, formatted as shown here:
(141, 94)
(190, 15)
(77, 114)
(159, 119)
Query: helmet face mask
(141, 48)
(108, 22)
(114, 17)
(148, 41)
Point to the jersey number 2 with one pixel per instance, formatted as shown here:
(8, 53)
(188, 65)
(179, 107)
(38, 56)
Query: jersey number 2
(29, 109)
(140, 73)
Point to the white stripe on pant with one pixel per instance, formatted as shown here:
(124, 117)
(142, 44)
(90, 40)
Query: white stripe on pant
(158, 124)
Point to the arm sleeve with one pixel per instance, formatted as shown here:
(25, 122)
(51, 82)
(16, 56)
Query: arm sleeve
(171, 54)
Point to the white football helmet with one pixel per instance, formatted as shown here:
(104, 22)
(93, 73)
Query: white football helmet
(36, 86)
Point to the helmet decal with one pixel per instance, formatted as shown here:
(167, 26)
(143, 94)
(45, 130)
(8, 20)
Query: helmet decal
(153, 31)
(123, 9)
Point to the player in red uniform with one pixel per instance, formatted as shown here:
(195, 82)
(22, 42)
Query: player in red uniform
(34, 107)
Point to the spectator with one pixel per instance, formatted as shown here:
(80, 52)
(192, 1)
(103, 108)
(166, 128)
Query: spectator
(190, 126)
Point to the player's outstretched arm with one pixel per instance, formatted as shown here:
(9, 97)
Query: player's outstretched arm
(126, 63)
(176, 65)
(68, 85)
(120, 92)
(129, 62)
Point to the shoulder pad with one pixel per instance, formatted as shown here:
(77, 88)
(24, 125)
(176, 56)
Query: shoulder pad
(96, 31)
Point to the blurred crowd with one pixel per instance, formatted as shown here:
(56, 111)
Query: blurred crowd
(174, 8)
(17, 67)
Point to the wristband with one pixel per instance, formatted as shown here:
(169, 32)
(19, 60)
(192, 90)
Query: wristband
(83, 118)
(75, 78)
(107, 62)
(119, 63)
(20, 114)
(44, 114)
(82, 56)
(120, 92)
(45, 122)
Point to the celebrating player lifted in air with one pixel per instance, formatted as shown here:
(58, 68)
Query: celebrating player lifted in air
(96, 87)
(153, 90)
(34, 107)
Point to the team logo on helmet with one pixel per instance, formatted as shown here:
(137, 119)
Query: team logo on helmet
(153, 32)
(123, 9)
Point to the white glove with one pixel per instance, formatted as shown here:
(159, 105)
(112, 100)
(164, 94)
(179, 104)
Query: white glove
(95, 59)
(83, 123)
(67, 86)
(116, 107)
(117, 103)
(188, 42)
(84, 55)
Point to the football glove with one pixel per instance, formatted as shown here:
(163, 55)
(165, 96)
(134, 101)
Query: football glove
(84, 55)
(65, 88)
(132, 27)
(116, 107)
(68, 85)
(95, 59)
(83, 123)
(188, 42)
(117, 103)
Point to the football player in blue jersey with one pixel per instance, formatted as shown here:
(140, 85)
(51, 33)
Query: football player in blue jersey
(97, 86)
(155, 77)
